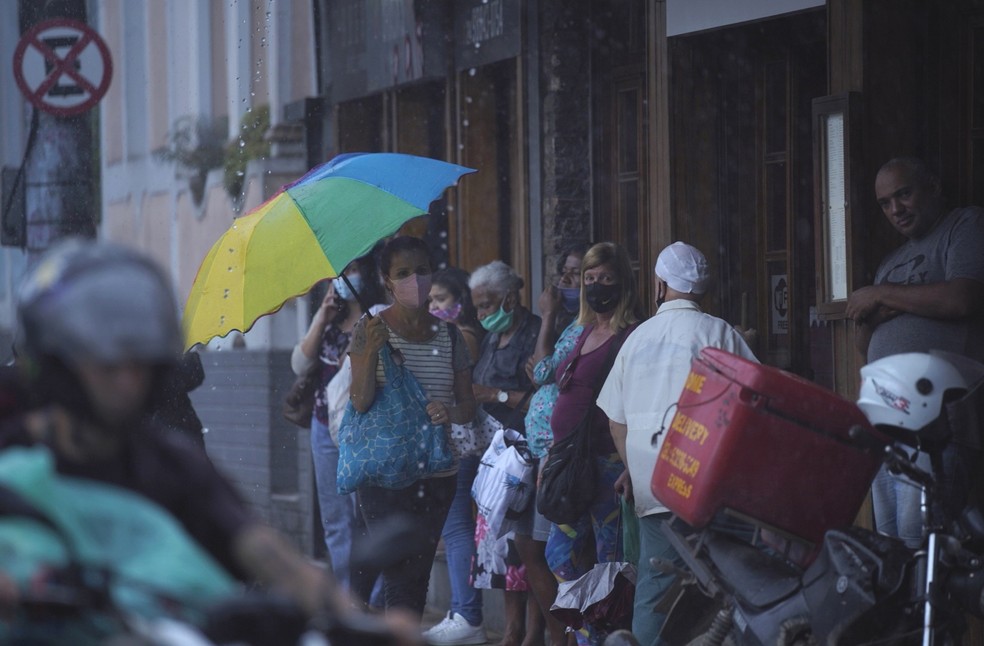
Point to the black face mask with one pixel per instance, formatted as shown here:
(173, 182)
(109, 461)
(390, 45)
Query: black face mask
(602, 298)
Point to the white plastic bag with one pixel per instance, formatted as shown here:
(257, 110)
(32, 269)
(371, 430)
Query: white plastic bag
(337, 396)
(505, 478)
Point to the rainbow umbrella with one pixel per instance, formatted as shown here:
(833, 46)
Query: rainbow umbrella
(310, 230)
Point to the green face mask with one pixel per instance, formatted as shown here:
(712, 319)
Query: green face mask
(498, 322)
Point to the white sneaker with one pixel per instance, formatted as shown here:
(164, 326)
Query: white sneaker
(454, 630)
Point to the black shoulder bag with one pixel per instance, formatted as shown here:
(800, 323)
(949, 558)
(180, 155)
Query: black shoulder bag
(569, 477)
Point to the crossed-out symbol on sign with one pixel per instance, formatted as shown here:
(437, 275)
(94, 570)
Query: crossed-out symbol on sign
(39, 69)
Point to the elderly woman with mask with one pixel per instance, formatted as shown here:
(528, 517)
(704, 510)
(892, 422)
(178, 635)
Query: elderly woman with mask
(501, 384)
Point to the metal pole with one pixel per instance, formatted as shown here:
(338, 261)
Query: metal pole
(59, 188)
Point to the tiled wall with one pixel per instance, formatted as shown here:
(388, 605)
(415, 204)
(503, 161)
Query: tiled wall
(266, 457)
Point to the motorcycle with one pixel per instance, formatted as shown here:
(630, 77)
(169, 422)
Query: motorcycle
(789, 578)
(82, 562)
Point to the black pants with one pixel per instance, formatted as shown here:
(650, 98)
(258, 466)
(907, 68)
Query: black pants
(410, 521)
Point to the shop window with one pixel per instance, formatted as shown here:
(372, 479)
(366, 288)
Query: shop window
(836, 157)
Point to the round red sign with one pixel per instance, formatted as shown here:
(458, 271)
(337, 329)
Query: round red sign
(62, 66)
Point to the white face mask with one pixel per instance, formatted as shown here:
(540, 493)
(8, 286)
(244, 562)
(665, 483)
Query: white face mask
(343, 290)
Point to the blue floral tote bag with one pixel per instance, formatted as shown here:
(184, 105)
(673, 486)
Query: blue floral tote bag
(394, 443)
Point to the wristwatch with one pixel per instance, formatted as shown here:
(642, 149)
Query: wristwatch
(502, 396)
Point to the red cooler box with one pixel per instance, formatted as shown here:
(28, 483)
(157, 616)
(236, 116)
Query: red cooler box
(764, 443)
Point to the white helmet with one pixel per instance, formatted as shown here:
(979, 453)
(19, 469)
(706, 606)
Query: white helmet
(907, 391)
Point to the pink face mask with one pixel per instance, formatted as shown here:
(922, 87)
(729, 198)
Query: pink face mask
(412, 292)
(450, 314)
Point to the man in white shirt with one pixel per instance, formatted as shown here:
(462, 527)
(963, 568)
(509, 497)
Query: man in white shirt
(639, 397)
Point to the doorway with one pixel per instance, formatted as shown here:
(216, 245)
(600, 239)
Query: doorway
(742, 177)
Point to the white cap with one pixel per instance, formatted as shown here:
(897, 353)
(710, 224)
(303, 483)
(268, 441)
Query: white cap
(684, 268)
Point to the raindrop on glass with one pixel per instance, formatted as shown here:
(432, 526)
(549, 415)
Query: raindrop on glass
(472, 72)
(464, 122)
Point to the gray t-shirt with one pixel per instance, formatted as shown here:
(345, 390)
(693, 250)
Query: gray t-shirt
(954, 248)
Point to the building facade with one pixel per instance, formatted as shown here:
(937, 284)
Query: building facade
(751, 129)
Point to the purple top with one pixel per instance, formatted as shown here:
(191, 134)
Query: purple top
(577, 394)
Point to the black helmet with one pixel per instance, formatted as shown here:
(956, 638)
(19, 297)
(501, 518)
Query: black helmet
(86, 300)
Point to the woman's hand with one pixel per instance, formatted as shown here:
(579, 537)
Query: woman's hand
(531, 368)
(549, 301)
(623, 485)
(325, 313)
(329, 304)
(376, 334)
(322, 318)
(485, 394)
(439, 413)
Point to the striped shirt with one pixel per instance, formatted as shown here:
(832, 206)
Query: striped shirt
(432, 362)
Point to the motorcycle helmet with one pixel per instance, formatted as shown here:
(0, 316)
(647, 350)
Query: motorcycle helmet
(92, 301)
(908, 391)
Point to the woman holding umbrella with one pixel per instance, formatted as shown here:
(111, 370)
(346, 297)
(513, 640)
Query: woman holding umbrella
(326, 340)
(435, 353)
